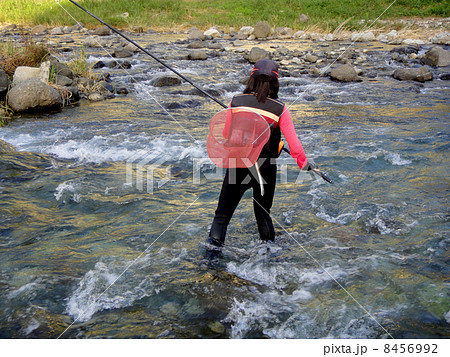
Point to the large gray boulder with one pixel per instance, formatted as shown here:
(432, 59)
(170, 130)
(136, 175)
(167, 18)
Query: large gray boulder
(256, 54)
(421, 74)
(437, 57)
(262, 30)
(33, 94)
(345, 73)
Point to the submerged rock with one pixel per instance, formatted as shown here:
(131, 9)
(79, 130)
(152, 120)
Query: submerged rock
(421, 74)
(6, 147)
(33, 94)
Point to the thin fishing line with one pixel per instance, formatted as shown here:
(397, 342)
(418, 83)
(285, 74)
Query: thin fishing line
(132, 263)
(365, 28)
(108, 54)
(325, 270)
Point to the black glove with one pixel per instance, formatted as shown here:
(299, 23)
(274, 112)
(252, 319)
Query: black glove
(310, 166)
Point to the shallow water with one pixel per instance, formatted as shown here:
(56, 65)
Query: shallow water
(92, 247)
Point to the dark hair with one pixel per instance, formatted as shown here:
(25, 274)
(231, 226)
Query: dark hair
(262, 86)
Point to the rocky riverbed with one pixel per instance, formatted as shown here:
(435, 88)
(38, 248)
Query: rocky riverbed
(419, 54)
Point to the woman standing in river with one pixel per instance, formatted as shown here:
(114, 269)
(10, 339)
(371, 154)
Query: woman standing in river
(261, 95)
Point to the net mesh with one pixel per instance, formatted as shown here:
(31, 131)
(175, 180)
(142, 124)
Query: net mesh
(236, 137)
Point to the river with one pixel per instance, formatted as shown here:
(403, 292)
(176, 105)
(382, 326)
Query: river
(106, 206)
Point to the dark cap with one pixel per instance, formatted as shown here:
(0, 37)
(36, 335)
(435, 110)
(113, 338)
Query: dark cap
(265, 67)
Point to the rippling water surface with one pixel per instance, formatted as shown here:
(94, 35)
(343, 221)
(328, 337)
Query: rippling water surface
(88, 238)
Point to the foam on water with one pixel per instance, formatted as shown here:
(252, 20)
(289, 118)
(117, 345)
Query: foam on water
(95, 293)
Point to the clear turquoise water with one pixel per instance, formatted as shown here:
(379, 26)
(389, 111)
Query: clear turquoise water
(73, 221)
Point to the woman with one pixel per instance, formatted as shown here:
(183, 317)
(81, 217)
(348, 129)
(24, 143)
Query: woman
(261, 94)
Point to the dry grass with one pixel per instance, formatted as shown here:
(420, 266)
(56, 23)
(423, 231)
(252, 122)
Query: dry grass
(27, 53)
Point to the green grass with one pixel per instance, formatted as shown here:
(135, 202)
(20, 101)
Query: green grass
(170, 14)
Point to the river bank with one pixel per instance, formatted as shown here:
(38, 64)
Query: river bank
(253, 43)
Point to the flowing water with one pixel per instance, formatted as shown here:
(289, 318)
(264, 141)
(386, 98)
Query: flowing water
(105, 208)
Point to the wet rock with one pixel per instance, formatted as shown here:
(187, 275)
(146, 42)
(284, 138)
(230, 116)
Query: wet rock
(186, 104)
(102, 31)
(130, 47)
(122, 91)
(122, 53)
(405, 50)
(444, 77)
(303, 18)
(196, 34)
(262, 30)
(93, 42)
(99, 64)
(6, 147)
(57, 31)
(363, 37)
(216, 46)
(33, 94)
(195, 44)
(345, 73)
(75, 94)
(437, 57)
(421, 74)
(39, 30)
(311, 58)
(123, 65)
(4, 82)
(198, 55)
(256, 53)
(61, 69)
(96, 97)
(104, 86)
(62, 81)
(166, 80)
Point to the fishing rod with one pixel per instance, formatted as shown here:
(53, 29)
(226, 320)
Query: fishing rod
(321, 174)
(148, 53)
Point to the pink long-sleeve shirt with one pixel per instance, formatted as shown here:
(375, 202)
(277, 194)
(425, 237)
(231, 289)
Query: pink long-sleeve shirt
(295, 146)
